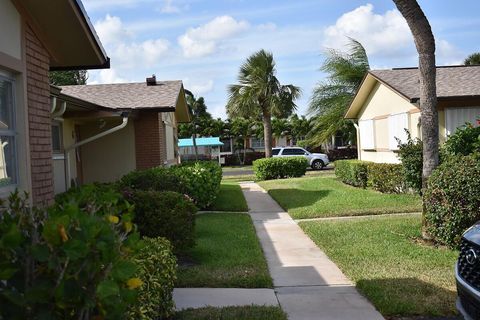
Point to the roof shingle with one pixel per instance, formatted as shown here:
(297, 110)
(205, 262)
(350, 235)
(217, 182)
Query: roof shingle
(164, 95)
(455, 81)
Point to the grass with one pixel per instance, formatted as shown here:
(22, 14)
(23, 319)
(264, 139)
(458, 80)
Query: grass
(227, 254)
(398, 273)
(325, 196)
(230, 198)
(232, 313)
(239, 178)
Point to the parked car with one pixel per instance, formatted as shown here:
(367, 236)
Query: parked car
(315, 160)
(467, 274)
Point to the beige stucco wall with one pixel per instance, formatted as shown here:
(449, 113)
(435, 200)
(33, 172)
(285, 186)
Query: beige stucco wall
(381, 103)
(110, 157)
(10, 21)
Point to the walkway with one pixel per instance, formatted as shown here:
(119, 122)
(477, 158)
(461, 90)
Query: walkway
(307, 283)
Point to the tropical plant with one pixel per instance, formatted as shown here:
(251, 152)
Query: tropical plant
(331, 98)
(242, 129)
(473, 59)
(300, 126)
(259, 94)
(425, 44)
(67, 78)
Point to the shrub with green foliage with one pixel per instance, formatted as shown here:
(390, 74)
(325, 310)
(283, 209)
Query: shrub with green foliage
(387, 177)
(156, 267)
(156, 179)
(464, 141)
(201, 181)
(279, 167)
(352, 172)
(165, 214)
(452, 199)
(70, 263)
(411, 156)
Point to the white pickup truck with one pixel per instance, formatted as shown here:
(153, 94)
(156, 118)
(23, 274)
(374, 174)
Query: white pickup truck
(316, 160)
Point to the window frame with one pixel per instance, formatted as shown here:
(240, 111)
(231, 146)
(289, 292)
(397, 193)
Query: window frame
(60, 131)
(11, 132)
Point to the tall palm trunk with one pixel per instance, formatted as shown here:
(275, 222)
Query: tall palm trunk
(267, 132)
(425, 43)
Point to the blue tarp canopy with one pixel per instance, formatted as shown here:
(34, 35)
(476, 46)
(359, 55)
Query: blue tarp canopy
(201, 142)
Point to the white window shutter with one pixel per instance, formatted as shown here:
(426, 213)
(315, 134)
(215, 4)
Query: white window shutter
(397, 124)
(367, 134)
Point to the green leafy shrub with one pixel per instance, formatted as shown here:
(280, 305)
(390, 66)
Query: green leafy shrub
(157, 179)
(279, 167)
(411, 156)
(201, 181)
(464, 141)
(165, 214)
(386, 177)
(72, 262)
(352, 172)
(452, 199)
(156, 267)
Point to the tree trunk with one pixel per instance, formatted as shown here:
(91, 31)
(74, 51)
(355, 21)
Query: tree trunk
(267, 133)
(425, 43)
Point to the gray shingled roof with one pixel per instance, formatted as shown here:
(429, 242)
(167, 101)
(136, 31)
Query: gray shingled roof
(164, 95)
(457, 81)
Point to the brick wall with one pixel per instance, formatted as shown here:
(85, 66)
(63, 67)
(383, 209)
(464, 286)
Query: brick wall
(150, 148)
(39, 122)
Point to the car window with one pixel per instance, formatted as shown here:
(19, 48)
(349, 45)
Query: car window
(275, 151)
(293, 152)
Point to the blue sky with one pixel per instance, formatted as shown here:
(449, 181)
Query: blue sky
(203, 43)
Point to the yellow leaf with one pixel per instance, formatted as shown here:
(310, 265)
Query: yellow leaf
(134, 283)
(62, 232)
(128, 226)
(113, 219)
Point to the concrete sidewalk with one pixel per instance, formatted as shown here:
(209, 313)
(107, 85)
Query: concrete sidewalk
(222, 297)
(307, 283)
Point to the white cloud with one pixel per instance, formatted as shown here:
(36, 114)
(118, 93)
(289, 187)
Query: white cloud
(384, 34)
(169, 7)
(105, 76)
(448, 54)
(199, 88)
(123, 50)
(111, 30)
(204, 40)
(269, 26)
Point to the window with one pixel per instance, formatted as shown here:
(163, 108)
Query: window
(275, 152)
(57, 141)
(8, 158)
(367, 134)
(258, 143)
(457, 117)
(293, 152)
(227, 145)
(397, 123)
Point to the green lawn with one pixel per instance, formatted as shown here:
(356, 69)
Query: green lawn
(239, 178)
(230, 198)
(325, 196)
(398, 273)
(227, 254)
(232, 313)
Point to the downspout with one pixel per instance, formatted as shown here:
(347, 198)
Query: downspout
(61, 111)
(92, 138)
(357, 128)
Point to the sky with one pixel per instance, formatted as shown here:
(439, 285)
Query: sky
(204, 43)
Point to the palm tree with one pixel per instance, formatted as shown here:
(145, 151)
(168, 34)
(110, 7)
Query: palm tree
(241, 128)
(425, 43)
(260, 94)
(331, 98)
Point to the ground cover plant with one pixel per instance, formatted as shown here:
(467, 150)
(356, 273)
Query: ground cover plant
(389, 263)
(232, 313)
(352, 172)
(326, 196)
(230, 198)
(227, 254)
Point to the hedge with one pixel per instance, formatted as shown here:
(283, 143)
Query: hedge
(165, 214)
(156, 268)
(157, 179)
(387, 177)
(352, 172)
(452, 199)
(279, 167)
(201, 181)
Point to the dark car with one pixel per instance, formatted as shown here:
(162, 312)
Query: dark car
(467, 274)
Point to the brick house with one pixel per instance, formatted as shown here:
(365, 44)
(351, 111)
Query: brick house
(101, 132)
(36, 37)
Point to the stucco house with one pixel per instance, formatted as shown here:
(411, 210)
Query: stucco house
(36, 37)
(101, 132)
(387, 103)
